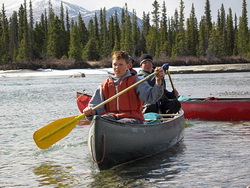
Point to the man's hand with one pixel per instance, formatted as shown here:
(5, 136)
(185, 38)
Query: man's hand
(159, 76)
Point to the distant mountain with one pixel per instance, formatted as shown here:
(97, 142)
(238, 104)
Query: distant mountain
(39, 7)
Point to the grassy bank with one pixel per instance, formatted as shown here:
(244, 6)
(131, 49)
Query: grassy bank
(106, 63)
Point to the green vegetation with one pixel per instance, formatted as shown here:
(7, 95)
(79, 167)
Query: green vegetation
(57, 38)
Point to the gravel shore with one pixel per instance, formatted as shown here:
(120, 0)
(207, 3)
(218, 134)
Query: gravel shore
(211, 68)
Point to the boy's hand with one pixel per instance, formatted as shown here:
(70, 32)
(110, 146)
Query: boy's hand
(88, 111)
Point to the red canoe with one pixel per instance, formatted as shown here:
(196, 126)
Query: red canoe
(221, 109)
(82, 100)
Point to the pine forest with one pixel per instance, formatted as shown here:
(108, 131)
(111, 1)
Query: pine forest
(58, 37)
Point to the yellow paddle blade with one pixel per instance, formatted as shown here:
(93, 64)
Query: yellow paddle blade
(55, 131)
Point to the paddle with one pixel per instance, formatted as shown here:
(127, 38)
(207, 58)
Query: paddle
(171, 82)
(170, 79)
(55, 131)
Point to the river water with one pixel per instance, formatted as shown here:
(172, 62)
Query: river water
(212, 154)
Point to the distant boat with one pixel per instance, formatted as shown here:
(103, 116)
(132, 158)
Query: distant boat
(220, 109)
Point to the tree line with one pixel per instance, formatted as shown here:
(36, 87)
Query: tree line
(59, 37)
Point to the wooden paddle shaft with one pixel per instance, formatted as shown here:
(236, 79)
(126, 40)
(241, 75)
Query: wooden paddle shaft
(170, 79)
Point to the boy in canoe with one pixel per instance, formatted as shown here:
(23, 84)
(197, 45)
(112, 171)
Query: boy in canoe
(168, 104)
(126, 108)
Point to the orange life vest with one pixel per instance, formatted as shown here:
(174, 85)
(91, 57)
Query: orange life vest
(128, 105)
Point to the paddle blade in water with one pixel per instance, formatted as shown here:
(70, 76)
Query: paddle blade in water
(55, 131)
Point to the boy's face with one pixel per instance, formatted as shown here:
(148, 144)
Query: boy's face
(120, 67)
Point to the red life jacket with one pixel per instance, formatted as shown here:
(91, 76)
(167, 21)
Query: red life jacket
(128, 105)
(133, 72)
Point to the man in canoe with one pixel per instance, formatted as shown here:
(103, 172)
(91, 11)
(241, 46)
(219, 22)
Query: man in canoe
(127, 108)
(168, 104)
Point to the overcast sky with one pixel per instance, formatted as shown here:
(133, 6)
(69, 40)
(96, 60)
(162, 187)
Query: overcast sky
(146, 5)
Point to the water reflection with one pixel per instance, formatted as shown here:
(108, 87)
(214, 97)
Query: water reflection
(55, 175)
(160, 167)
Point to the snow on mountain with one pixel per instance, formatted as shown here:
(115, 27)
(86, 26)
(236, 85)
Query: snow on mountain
(39, 7)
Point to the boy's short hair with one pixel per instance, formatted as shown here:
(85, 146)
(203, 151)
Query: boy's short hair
(117, 55)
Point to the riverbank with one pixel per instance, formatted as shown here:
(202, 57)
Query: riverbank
(211, 68)
(184, 64)
(86, 71)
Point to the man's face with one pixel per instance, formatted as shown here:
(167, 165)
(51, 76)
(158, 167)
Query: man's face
(147, 66)
(120, 67)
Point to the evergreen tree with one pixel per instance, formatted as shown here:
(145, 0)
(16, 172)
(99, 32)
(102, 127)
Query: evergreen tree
(243, 35)
(24, 51)
(64, 41)
(156, 14)
(208, 17)
(222, 31)
(31, 32)
(4, 38)
(13, 36)
(67, 23)
(128, 34)
(202, 47)
(117, 33)
(91, 51)
(171, 35)
(75, 48)
(145, 30)
(230, 37)
(111, 33)
(40, 36)
(54, 38)
(104, 47)
(96, 33)
(180, 44)
(173, 30)
(207, 23)
(192, 33)
(214, 49)
(135, 36)
(1, 38)
(83, 32)
(126, 31)
(145, 24)
(153, 39)
(123, 29)
(235, 50)
(165, 48)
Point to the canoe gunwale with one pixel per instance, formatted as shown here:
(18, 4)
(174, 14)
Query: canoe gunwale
(222, 100)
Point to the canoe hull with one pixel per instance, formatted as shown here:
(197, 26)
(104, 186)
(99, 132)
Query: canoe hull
(113, 143)
(220, 109)
(82, 100)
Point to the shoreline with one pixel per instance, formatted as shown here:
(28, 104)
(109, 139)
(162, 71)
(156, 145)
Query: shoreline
(218, 68)
(189, 69)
